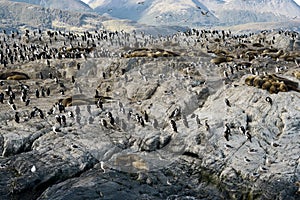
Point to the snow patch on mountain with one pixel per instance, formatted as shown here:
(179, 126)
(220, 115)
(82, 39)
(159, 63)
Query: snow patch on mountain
(198, 12)
(70, 5)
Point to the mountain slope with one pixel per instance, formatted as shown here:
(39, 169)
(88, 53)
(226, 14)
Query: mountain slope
(95, 3)
(20, 16)
(70, 5)
(232, 12)
(16, 15)
(157, 12)
(198, 12)
(181, 12)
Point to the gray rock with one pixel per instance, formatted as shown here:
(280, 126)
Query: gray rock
(208, 157)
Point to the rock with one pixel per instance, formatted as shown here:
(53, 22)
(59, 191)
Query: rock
(244, 147)
(96, 184)
(141, 92)
(21, 182)
(239, 164)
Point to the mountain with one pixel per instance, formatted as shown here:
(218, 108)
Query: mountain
(199, 12)
(157, 12)
(193, 13)
(94, 3)
(70, 5)
(153, 16)
(181, 12)
(233, 12)
(18, 15)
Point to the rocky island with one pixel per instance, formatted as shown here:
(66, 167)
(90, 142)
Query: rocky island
(200, 114)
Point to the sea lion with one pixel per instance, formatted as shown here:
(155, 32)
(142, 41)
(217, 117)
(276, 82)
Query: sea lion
(258, 82)
(297, 74)
(266, 85)
(282, 87)
(249, 80)
(66, 102)
(273, 89)
(218, 60)
(14, 76)
(257, 44)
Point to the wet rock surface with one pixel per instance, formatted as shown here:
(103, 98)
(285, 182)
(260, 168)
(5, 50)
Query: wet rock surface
(93, 124)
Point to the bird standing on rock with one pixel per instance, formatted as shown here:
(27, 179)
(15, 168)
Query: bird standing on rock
(88, 108)
(249, 136)
(141, 121)
(103, 123)
(111, 119)
(61, 108)
(198, 121)
(100, 104)
(71, 114)
(155, 123)
(206, 125)
(175, 113)
(58, 119)
(41, 113)
(48, 91)
(64, 120)
(146, 117)
(73, 79)
(23, 96)
(173, 125)
(17, 118)
(227, 102)
(269, 100)
(55, 129)
(227, 132)
(13, 106)
(27, 102)
(1, 97)
(242, 130)
(37, 93)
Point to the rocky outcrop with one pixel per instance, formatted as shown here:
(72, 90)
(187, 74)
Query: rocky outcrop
(106, 126)
(16, 15)
(70, 5)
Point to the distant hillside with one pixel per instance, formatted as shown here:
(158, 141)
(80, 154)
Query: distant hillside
(157, 12)
(199, 12)
(70, 5)
(151, 16)
(233, 12)
(95, 3)
(16, 14)
(20, 16)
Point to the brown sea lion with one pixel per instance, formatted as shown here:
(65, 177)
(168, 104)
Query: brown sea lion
(66, 102)
(297, 74)
(282, 87)
(266, 85)
(249, 80)
(257, 45)
(14, 76)
(219, 60)
(273, 89)
(258, 82)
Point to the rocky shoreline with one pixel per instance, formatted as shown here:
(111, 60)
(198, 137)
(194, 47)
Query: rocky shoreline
(131, 116)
